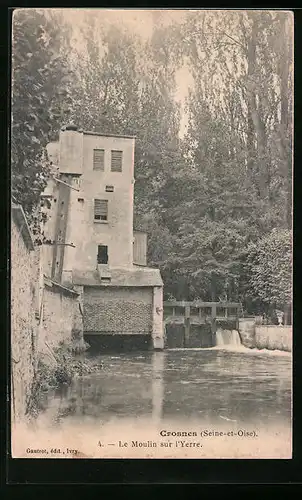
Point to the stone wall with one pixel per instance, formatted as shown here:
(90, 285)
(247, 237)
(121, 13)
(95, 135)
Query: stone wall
(119, 310)
(247, 331)
(23, 321)
(273, 337)
(60, 314)
(265, 336)
(42, 314)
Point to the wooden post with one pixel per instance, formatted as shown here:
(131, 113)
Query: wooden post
(187, 326)
(213, 323)
(60, 231)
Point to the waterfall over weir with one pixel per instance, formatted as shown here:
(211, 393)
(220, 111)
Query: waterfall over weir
(227, 337)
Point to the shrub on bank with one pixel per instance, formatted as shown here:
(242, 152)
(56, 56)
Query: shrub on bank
(50, 377)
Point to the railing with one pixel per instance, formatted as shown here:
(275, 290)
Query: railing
(198, 312)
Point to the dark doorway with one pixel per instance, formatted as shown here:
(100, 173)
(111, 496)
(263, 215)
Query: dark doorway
(117, 343)
(102, 254)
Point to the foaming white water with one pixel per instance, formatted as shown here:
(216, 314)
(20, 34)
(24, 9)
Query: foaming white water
(252, 351)
(236, 348)
(227, 337)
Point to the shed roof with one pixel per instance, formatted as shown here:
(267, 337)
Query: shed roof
(59, 287)
(120, 277)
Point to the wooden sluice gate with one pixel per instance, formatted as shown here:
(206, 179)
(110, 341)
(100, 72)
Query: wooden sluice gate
(194, 324)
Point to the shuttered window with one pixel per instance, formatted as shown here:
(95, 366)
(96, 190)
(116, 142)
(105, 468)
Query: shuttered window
(116, 161)
(101, 210)
(98, 159)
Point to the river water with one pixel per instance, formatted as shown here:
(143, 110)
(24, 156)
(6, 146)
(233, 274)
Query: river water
(145, 395)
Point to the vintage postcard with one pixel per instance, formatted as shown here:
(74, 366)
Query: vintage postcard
(151, 233)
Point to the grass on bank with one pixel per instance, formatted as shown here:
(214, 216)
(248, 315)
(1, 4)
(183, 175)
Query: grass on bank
(49, 377)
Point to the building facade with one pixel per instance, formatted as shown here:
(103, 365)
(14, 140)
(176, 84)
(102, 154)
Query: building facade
(89, 241)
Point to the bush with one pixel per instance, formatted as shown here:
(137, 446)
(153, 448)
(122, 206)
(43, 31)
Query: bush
(49, 378)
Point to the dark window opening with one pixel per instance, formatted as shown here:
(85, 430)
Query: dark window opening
(109, 189)
(101, 210)
(102, 254)
(116, 161)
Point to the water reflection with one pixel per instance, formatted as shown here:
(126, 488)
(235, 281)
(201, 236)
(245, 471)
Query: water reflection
(158, 367)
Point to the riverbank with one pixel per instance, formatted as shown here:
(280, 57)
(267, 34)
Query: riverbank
(67, 364)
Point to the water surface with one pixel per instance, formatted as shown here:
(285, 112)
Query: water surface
(139, 395)
(244, 386)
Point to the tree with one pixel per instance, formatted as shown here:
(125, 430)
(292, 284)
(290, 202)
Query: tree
(247, 79)
(40, 99)
(233, 144)
(268, 265)
(203, 199)
(106, 86)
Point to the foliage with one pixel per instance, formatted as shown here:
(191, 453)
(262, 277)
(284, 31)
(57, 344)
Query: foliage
(206, 199)
(39, 100)
(50, 377)
(237, 183)
(268, 265)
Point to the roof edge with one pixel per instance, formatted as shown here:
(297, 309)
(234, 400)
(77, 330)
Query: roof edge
(21, 221)
(87, 132)
(51, 283)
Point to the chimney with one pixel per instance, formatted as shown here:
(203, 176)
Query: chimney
(71, 150)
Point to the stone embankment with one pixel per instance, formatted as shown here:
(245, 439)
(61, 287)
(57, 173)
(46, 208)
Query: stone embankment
(265, 336)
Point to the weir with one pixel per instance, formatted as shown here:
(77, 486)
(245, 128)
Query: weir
(201, 324)
(227, 337)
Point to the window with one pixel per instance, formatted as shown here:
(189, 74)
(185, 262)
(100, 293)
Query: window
(102, 254)
(116, 161)
(98, 159)
(101, 210)
(109, 189)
